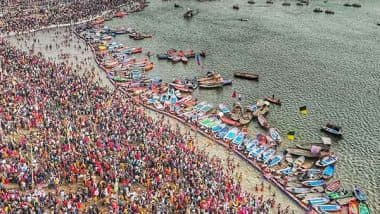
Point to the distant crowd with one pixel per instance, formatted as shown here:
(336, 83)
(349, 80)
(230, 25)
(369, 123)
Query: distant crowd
(68, 145)
(18, 19)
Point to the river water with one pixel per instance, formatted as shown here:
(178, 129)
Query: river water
(330, 63)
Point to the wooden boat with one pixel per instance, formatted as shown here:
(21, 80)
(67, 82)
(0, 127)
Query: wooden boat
(263, 122)
(246, 117)
(333, 186)
(345, 201)
(286, 4)
(226, 82)
(316, 200)
(329, 12)
(230, 122)
(363, 208)
(263, 110)
(273, 100)
(210, 85)
(111, 63)
(313, 183)
(246, 75)
(251, 2)
(333, 129)
(328, 207)
(136, 50)
(208, 77)
(301, 152)
(353, 207)
(120, 14)
(236, 112)
(298, 190)
(299, 161)
(309, 146)
(359, 194)
(184, 59)
(235, 7)
(306, 196)
(328, 160)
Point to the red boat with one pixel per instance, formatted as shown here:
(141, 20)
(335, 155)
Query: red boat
(263, 121)
(136, 50)
(181, 87)
(230, 122)
(353, 207)
(273, 100)
(333, 186)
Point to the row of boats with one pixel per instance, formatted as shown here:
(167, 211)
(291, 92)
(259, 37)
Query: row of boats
(305, 172)
(183, 56)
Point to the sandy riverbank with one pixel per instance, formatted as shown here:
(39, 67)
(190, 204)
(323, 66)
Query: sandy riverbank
(62, 36)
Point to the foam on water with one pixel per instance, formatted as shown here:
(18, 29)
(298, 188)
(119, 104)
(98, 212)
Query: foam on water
(328, 62)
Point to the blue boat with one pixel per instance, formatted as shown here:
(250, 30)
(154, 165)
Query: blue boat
(328, 172)
(218, 127)
(359, 194)
(200, 105)
(266, 155)
(224, 109)
(328, 160)
(251, 144)
(231, 134)
(328, 207)
(286, 171)
(298, 190)
(256, 151)
(136, 74)
(223, 132)
(275, 160)
(313, 183)
(318, 200)
(238, 139)
(274, 135)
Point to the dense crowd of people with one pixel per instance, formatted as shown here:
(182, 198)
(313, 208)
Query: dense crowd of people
(17, 19)
(68, 145)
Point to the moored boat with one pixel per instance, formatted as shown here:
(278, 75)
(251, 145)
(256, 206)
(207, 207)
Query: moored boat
(363, 208)
(328, 160)
(313, 183)
(333, 186)
(317, 200)
(263, 122)
(210, 85)
(273, 100)
(328, 207)
(359, 194)
(273, 132)
(333, 129)
(298, 190)
(230, 122)
(246, 75)
(328, 172)
(353, 207)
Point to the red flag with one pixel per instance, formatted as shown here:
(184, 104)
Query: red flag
(233, 94)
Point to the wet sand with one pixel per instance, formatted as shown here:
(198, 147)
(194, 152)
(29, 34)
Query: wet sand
(250, 177)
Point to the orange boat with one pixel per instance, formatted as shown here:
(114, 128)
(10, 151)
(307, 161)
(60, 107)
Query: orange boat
(148, 67)
(136, 50)
(353, 207)
(120, 14)
(111, 63)
(228, 121)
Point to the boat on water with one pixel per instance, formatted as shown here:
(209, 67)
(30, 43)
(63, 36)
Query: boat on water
(333, 129)
(266, 155)
(210, 85)
(299, 161)
(235, 7)
(298, 190)
(328, 160)
(273, 100)
(363, 208)
(245, 117)
(251, 2)
(263, 122)
(274, 160)
(231, 134)
(317, 10)
(333, 186)
(353, 207)
(313, 183)
(302, 152)
(275, 135)
(339, 194)
(246, 75)
(328, 207)
(238, 139)
(359, 194)
(317, 200)
(224, 109)
(229, 121)
(256, 151)
(328, 172)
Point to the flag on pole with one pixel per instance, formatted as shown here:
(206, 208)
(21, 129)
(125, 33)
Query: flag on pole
(291, 135)
(303, 110)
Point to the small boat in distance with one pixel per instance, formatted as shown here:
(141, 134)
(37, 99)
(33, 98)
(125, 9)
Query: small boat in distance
(273, 100)
(333, 129)
(246, 75)
(235, 7)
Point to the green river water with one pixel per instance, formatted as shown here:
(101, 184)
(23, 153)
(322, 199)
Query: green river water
(330, 63)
